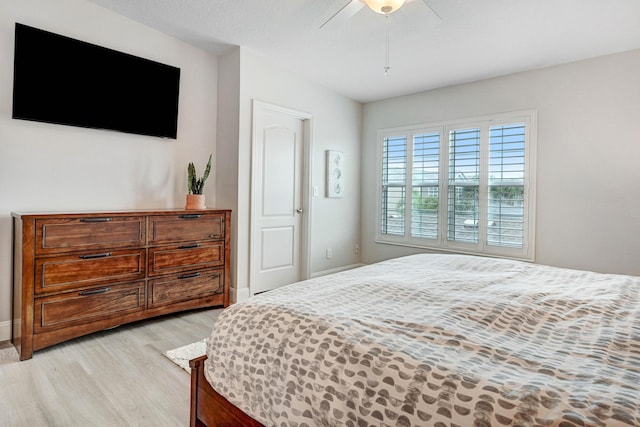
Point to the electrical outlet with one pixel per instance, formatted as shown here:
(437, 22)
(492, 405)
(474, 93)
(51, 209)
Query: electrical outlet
(329, 253)
(356, 250)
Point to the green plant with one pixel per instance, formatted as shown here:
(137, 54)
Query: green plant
(420, 203)
(424, 203)
(196, 185)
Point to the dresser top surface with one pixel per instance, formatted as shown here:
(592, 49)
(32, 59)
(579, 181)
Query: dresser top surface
(115, 212)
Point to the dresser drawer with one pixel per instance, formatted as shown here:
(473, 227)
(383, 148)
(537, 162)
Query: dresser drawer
(184, 287)
(191, 256)
(68, 272)
(90, 305)
(73, 234)
(188, 226)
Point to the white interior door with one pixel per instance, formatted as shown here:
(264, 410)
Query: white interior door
(277, 198)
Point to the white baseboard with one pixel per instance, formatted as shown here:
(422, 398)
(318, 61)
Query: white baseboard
(335, 270)
(5, 331)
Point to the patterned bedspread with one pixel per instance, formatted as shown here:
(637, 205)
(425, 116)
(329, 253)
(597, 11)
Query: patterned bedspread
(435, 340)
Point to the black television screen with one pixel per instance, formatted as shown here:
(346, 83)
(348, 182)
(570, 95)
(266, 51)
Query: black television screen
(61, 80)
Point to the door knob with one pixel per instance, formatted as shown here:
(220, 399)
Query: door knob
(299, 210)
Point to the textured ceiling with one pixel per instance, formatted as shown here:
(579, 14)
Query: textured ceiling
(433, 43)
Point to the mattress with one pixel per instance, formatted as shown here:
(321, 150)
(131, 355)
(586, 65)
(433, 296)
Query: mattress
(435, 340)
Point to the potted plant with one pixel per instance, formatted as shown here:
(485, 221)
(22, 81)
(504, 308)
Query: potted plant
(195, 186)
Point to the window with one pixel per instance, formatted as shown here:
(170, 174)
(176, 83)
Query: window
(464, 186)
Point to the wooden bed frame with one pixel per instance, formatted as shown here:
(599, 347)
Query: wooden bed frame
(210, 409)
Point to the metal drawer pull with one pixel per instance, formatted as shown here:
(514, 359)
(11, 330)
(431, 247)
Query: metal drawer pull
(104, 255)
(189, 276)
(95, 219)
(190, 216)
(195, 245)
(95, 292)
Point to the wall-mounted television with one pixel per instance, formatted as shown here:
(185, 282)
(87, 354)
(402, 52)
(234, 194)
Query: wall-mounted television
(65, 81)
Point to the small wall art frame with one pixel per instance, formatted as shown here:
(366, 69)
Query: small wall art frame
(335, 173)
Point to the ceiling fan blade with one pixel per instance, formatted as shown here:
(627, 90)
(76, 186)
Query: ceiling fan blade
(432, 9)
(344, 13)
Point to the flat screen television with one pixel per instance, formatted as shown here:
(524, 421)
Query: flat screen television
(65, 81)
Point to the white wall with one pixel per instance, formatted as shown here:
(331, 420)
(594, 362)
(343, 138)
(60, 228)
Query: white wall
(335, 125)
(588, 198)
(45, 167)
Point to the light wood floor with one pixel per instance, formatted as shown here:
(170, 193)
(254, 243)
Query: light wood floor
(117, 377)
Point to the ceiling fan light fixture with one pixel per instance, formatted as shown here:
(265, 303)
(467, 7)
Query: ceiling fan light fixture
(384, 7)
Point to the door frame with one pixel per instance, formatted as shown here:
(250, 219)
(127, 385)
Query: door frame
(305, 197)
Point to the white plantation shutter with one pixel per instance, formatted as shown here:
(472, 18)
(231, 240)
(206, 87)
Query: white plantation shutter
(506, 185)
(394, 173)
(425, 185)
(471, 191)
(463, 185)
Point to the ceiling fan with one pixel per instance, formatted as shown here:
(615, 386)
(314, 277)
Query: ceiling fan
(383, 7)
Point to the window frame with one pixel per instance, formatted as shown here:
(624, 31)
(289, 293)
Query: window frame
(441, 243)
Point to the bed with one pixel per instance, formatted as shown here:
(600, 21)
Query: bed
(428, 340)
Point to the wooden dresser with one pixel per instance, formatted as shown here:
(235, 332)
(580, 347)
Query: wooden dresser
(78, 273)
